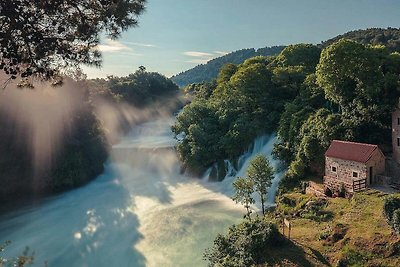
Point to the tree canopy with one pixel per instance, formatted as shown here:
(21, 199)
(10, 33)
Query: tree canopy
(51, 38)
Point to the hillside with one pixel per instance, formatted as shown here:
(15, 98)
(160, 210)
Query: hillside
(336, 231)
(389, 37)
(209, 71)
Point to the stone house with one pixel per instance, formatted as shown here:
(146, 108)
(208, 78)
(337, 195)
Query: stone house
(352, 165)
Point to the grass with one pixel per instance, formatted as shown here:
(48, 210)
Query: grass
(356, 233)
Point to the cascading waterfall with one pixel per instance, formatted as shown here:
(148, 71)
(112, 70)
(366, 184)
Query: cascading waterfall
(262, 145)
(140, 212)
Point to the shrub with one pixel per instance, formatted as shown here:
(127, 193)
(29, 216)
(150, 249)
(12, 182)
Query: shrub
(328, 192)
(314, 210)
(351, 257)
(244, 245)
(389, 206)
(396, 221)
(342, 191)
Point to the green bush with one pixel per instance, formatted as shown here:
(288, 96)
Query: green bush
(328, 192)
(353, 258)
(389, 206)
(244, 245)
(396, 221)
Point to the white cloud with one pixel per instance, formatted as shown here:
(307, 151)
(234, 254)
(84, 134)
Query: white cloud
(139, 44)
(199, 61)
(112, 46)
(222, 53)
(197, 54)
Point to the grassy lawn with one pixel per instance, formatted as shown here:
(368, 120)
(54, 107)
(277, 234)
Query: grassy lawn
(354, 231)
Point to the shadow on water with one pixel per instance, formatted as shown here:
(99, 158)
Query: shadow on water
(140, 212)
(91, 226)
(95, 225)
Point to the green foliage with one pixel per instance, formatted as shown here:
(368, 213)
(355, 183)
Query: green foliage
(246, 244)
(391, 211)
(314, 140)
(244, 188)
(226, 72)
(396, 221)
(390, 204)
(353, 258)
(201, 90)
(209, 71)
(315, 210)
(350, 97)
(48, 39)
(82, 160)
(140, 88)
(349, 70)
(389, 37)
(261, 173)
(244, 104)
(300, 55)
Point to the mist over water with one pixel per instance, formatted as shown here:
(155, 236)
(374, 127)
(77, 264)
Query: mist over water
(140, 212)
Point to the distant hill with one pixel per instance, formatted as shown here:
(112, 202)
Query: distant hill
(209, 71)
(389, 37)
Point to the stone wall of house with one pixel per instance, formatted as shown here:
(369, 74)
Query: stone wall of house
(377, 162)
(345, 169)
(335, 184)
(395, 135)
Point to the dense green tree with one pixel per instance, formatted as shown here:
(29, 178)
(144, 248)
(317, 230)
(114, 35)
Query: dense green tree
(244, 188)
(139, 88)
(226, 72)
(49, 38)
(348, 71)
(198, 147)
(389, 37)
(261, 173)
(245, 244)
(301, 55)
(315, 136)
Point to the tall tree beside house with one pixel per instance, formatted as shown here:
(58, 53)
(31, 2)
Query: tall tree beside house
(244, 188)
(261, 173)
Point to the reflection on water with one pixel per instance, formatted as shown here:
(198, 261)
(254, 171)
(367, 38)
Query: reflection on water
(139, 212)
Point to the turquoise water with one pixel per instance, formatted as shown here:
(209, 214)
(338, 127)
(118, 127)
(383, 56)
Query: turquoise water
(140, 212)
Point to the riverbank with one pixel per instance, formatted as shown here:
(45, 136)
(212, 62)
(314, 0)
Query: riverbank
(350, 232)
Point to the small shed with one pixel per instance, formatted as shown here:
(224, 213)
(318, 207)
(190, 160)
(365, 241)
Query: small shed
(352, 165)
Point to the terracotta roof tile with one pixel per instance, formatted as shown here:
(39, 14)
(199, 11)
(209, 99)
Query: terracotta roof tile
(358, 152)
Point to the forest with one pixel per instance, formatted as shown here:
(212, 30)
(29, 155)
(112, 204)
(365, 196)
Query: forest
(389, 37)
(308, 96)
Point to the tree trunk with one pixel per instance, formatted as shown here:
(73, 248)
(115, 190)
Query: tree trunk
(262, 204)
(248, 212)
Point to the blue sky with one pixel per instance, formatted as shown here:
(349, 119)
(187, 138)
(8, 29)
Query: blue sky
(176, 35)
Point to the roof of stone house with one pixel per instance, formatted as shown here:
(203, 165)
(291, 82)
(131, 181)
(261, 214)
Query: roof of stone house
(358, 152)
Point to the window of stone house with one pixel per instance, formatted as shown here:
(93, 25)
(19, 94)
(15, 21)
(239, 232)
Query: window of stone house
(355, 174)
(398, 121)
(398, 141)
(333, 168)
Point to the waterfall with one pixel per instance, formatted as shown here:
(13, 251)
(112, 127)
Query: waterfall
(262, 145)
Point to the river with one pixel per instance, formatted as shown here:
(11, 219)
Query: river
(140, 212)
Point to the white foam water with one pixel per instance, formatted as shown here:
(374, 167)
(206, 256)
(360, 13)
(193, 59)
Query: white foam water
(140, 212)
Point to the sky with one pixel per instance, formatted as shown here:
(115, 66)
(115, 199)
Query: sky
(176, 35)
